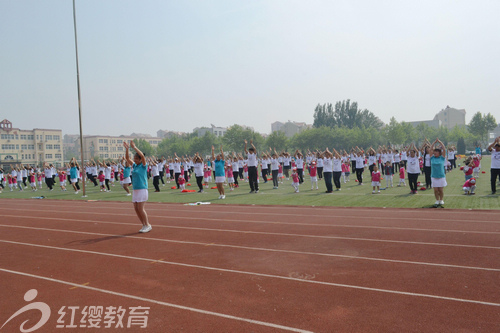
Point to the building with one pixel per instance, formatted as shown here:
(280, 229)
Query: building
(290, 128)
(108, 147)
(436, 123)
(30, 146)
(217, 131)
(169, 134)
(451, 117)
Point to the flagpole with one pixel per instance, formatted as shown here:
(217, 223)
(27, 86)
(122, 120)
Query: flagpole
(82, 167)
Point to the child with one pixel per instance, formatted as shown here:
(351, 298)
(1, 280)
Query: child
(102, 179)
(62, 180)
(469, 187)
(477, 163)
(206, 175)
(376, 178)
(402, 176)
(468, 169)
(313, 172)
(389, 172)
(19, 180)
(346, 170)
(230, 177)
(295, 179)
(32, 180)
(182, 182)
(10, 180)
(39, 178)
(280, 173)
(245, 172)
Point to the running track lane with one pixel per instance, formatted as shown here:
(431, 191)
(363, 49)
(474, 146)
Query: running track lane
(386, 312)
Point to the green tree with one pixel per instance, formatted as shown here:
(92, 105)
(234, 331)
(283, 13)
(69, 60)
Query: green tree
(145, 147)
(344, 114)
(461, 145)
(235, 136)
(277, 140)
(395, 132)
(480, 125)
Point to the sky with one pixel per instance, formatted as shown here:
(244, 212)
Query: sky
(147, 65)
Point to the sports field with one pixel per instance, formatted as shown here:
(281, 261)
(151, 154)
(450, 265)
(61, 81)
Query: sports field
(351, 194)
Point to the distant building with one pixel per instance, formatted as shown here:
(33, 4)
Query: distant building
(217, 131)
(451, 117)
(436, 123)
(290, 128)
(109, 147)
(494, 134)
(169, 134)
(140, 135)
(30, 146)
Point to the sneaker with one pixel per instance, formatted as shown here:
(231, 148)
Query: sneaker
(378, 191)
(252, 192)
(128, 194)
(441, 202)
(76, 192)
(142, 229)
(373, 192)
(257, 191)
(146, 228)
(223, 197)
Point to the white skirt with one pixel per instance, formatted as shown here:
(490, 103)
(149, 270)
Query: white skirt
(438, 182)
(126, 180)
(140, 195)
(375, 183)
(220, 179)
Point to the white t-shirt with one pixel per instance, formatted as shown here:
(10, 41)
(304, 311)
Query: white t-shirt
(495, 159)
(198, 169)
(360, 162)
(427, 160)
(275, 164)
(327, 164)
(300, 163)
(451, 155)
(154, 170)
(371, 159)
(252, 160)
(413, 165)
(176, 166)
(264, 164)
(320, 163)
(337, 165)
(404, 156)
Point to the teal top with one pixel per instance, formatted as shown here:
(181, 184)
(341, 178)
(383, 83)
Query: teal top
(219, 168)
(73, 173)
(126, 172)
(140, 177)
(437, 167)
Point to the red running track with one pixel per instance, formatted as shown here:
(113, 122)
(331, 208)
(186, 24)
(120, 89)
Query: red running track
(219, 268)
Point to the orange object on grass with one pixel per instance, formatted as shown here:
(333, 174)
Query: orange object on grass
(188, 191)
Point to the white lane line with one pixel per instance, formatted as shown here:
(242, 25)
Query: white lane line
(268, 233)
(269, 250)
(331, 284)
(171, 305)
(333, 214)
(264, 222)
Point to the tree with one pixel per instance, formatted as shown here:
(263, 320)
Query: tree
(344, 114)
(235, 136)
(277, 140)
(145, 147)
(480, 126)
(461, 145)
(395, 132)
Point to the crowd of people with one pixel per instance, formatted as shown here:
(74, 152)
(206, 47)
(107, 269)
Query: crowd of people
(431, 161)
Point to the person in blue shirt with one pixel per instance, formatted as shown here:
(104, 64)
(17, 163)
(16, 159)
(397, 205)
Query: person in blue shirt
(220, 171)
(438, 175)
(73, 175)
(139, 183)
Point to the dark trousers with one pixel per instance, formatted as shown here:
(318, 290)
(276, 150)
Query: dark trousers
(328, 181)
(199, 182)
(453, 165)
(370, 167)
(240, 172)
(494, 174)
(359, 175)
(275, 178)
(320, 172)
(106, 181)
(116, 176)
(235, 176)
(171, 173)
(156, 183)
(336, 178)
(413, 180)
(353, 165)
(264, 175)
(177, 179)
(186, 175)
(92, 178)
(286, 169)
(161, 177)
(252, 178)
(427, 171)
(301, 175)
(49, 182)
(395, 167)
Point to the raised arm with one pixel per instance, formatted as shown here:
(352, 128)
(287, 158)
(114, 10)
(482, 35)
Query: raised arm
(213, 153)
(222, 153)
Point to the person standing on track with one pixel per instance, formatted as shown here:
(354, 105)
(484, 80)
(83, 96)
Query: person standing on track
(140, 184)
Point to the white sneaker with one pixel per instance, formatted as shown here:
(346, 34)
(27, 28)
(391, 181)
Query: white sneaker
(223, 197)
(373, 192)
(220, 197)
(76, 192)
(128, 194)
(441, 202)
(142, 229)
(147, 228)
(437, 203)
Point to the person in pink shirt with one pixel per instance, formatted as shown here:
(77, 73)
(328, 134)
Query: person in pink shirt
(402, 181)
(346, 171)
(468, 169)
(32, 179)
(280, 173)
(182, 182)
(469, 187)
(62, 180)
(477, 165)
(230, 176)
(102, 180)
(375, 179)
(313, 173)
(11, 182)
(39, 178)
(295, 180)
(207, 173)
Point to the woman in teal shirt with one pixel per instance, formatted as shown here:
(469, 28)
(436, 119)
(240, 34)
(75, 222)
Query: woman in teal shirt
(438, 176)
(139, 183)
(220, 172)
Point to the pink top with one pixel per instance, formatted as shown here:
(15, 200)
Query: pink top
(182, 181)
(295, 177)
(401, 173)
(468, 183)
(280, 169)
(101, 177)
(476, 162)
(376, 176)
(468, 170)
(230, 173)
(39, 177)
(314, 171)
(32, 178)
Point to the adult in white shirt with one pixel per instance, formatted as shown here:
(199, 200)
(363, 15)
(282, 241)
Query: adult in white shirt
(198, 171)
(451, 157)
(299, 161)
(413, 168)
(494, 148)
(252, 167)
(327, 157)
(176, 167)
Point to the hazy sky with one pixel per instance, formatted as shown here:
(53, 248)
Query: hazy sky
(147, 65)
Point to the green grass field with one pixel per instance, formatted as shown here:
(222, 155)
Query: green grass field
(351, 195)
